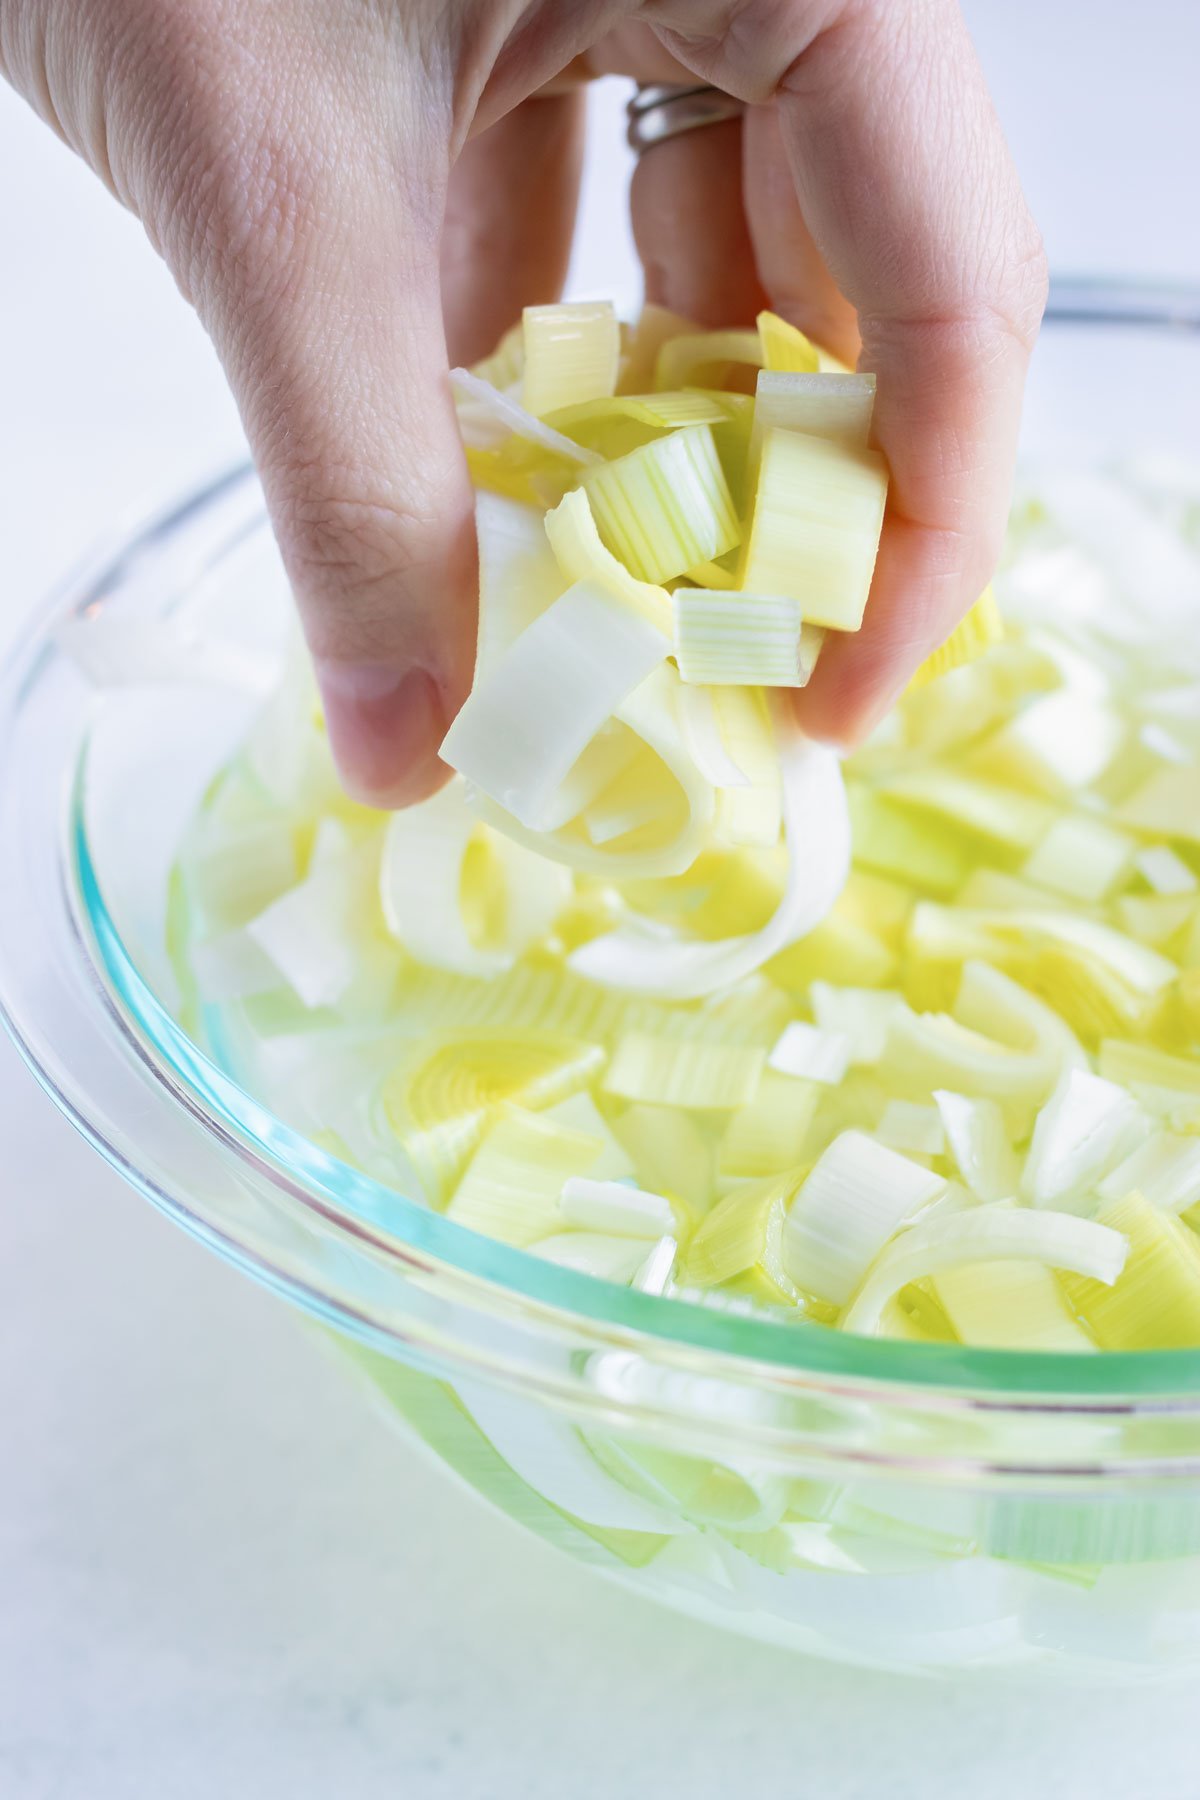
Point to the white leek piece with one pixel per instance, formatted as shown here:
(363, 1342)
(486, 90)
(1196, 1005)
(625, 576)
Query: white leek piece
(673, 1072)
(857, 1196)
(518, 574)
(817, 829)
(582, 556)
(1084, 1130)
(814, 532)
(424, 877)
(837, 407)
(1001, 1043)
(572, 350)
(1156, 1302)
(1081, 858)
(656, 1271)
(861, 1014)
(512, 1184)
(979, 1143)
(912, 1129)
(314, 933)
(1166, 872)
(702, 725)
(769, 1134)
(1167, 804)
(616, 1208)
(739, 639)
(516, 420)
(604, 1255)
(527, 723)
(1164, 1170)
(1059, 743)
(812, 1054)
(665, 507)
(684, 359)
(988, 1234)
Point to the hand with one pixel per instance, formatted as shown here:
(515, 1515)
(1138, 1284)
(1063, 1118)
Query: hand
(340, 186)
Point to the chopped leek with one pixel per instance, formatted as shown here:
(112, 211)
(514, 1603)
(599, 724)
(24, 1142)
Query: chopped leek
(664, 507)
(611, 1206)
(855, 1199)
(785, 349)
(744, 640)
(581, 556)
(682, 1072)
(820, 405)
(1084, 1130)
(982, 627)
(571, 352)
(813, 1054)
(1155, 1305)
(512, 1184)
(523, 729)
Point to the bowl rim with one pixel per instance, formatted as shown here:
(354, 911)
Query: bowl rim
(186, 1076)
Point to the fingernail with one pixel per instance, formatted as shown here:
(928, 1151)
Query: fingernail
(385, 726)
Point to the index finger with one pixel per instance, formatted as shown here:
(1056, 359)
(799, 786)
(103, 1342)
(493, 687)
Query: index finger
(906, 184)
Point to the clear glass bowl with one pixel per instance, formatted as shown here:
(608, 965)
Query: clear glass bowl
(917, 1507)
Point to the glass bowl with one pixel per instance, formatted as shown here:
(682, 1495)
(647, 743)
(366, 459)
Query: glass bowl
(904, 1506)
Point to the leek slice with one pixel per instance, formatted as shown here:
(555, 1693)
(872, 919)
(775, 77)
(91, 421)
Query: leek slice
(1086, 1128)
(683, 360)
(582, 556)
(510, 1190)
(616, 1208)
(1081, 858)
(1058, 744)
(701, 717)
(987, 1235)
(442, 1097)
(837, 407)
(1166, 872)
(861, 1014)
(746, 640)
(979, 1143)
(571, 354)
(317, 934)
(890, 839)
(973, 636)
(518, 576)
(814, 810)
(999, 815)
(743, 1237)
(522, 729)
(517, 420)
(769, 1133)
(1155, 1305)
(785, 349)
(854, 1200)
(1164, 1170)
(1010, 1306)
(665, 507)
(690, 1073)
(669, 1151)
(815, 525)
(812, 1054)
(1158, 1079)
(1018, 1061)
(608, 1257)
(1166, 805)
(911, 1128)
(423, 877)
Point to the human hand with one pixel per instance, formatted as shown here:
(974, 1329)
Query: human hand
(339, 188)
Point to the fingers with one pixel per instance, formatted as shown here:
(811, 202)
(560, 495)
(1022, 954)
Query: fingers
(792, 270)
(304, 224)
(510, 216)
(906, 186)
(690, 227)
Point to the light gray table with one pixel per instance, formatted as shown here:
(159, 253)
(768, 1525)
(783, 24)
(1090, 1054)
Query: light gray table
(219, 1574)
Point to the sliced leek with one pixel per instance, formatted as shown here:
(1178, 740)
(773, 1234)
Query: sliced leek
(743, 640)
(665, 507)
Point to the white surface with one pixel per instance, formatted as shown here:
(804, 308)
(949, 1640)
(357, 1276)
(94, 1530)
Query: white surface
(218, 1574)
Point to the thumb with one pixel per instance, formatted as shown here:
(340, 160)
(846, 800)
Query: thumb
(328, 318)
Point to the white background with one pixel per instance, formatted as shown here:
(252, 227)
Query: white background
(219, 1576)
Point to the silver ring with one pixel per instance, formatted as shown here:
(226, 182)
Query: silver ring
(665, 110)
